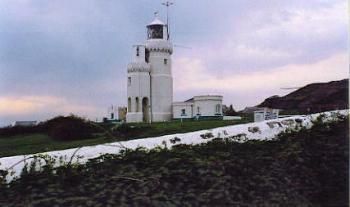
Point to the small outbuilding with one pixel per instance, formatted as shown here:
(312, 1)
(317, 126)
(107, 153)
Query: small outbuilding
(199, 107)
(265, 114)
(24, 123)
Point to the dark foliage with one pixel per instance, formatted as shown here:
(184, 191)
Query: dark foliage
(70, 128)
(125, 131)
(308, 168)
(229, 111)
(59, 128)
(15, 130)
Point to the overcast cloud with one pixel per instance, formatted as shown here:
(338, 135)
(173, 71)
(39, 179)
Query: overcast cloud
(61, 57)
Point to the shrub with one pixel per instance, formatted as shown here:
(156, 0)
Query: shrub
(124, 128)
(70, 128)
(60, 127)
(15, 130)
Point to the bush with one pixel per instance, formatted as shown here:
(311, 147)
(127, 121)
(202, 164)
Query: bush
(70, 128)
(127, 131)
(16, 130)
(124, 128)
(60, 128)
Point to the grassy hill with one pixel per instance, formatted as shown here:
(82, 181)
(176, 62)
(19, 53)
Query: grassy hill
(307, 168)
(313, 98)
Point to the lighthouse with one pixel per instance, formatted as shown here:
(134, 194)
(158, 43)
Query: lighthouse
(150, 81)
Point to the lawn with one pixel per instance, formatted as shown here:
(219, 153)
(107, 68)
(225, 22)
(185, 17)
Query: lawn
(163, 128)
(41, 142)
(34, 143)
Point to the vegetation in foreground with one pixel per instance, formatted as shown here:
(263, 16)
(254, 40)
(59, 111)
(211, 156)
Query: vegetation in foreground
(306, 168)
(68, 132)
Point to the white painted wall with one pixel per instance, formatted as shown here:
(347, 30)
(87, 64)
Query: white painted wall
(207, 106)
(138, 84)
(153, 79)
(265, 114)
(232, 118)
(15, 164)
(177, 110)
(161, 79)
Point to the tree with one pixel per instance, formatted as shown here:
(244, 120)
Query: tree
(230, 111)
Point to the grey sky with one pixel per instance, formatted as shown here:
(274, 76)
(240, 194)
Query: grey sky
(62, 56)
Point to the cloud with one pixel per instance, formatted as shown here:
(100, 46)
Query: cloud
(77, 51)
(193, 74)
(192, 77)
(43, 107)
(36, 104)
(272, 37)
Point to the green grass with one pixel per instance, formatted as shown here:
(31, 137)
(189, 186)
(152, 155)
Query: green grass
(35, 143)
(163, 128)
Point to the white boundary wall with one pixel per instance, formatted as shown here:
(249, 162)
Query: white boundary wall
(266, 130)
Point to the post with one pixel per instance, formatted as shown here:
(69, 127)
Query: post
(150, 99)
(167, 4)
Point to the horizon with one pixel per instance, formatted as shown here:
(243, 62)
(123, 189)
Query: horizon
(62, 57)
(100, 120)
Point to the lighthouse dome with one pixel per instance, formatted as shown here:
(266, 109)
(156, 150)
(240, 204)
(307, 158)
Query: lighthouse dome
(156, 29)
(156, 21)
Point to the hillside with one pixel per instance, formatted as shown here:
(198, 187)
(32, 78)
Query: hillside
(306, 168)
(315, 97)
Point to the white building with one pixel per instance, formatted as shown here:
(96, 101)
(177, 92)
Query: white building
(265, 114)
(112, 112)
(24, 123)
(150, 83)
(198, 107)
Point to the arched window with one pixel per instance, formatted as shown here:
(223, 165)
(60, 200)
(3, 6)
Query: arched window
(137, 104)
(218, 108)
(145, 110)
(129, 104)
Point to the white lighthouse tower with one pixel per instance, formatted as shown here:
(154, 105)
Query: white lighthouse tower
(150, 82)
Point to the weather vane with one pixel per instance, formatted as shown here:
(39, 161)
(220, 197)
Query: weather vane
(156, 14)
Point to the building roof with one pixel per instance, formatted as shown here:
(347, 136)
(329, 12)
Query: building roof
(156, 21)
(182, 103)
(189, 100)
(203, 97)
(208, 97)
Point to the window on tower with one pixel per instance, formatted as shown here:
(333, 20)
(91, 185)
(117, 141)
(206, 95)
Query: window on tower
(155, 32)
(129, 104)
(137, 51)
(147, 56)
(165, 61)
(129, 81)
